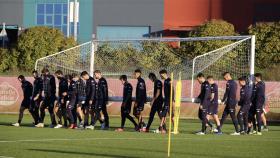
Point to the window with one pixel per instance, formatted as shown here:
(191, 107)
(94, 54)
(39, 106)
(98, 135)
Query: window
(57, 9)
(40, 9)
(49, 8)
(54, 15)
(40, 19)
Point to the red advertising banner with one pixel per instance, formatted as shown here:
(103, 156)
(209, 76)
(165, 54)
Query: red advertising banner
(11, 96)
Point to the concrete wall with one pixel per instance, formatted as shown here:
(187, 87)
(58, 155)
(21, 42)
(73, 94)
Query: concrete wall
(128, 13)
(11, 12)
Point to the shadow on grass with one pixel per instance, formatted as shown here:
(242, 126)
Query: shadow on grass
(83, 153)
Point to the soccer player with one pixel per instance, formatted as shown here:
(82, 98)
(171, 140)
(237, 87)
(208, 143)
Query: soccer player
(89, 108)
(141, 97)
(81, 85)
(36, 96)
(156, 102)
(48, 96)
(205, 101)
(166, 105)
(200, 97)
(72, 100)
(62, 99)
(126, 104)
(258, 101)
(101, 100)
(245, 104)
(230, 101)
(213, 107)
(27, 89)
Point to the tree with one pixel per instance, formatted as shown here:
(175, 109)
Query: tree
(39, 41)
(211, 28)
(8, 59)
(267, 43)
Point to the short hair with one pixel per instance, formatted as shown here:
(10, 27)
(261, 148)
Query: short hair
(84, 73)
(243, 78)
(123, 77)
(210, 77)
(258, 75)
(45, 70)
(163, 71)
(34, 71)
(75, 75)
(21, 77)
(138, 71)
(225, 73)
(59, 72)
(152, 76)
(68, 77)
(199, 75)
(97, 71)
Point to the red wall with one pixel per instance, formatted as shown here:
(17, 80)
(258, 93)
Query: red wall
(241, 13)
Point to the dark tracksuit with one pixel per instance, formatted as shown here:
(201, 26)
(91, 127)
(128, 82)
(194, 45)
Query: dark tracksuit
(72, 100)
(90, 96)
(63, 88)
(258, 101)
(141, 97)
(167, 93)
(230, 102)
(101, 101)
(27, 89)
(201, 98)
(126, 104)
(213, 107)
(81, 87)
(245, 104)
(49, 90)
(35, 104)
(157, 105)
(205, 104)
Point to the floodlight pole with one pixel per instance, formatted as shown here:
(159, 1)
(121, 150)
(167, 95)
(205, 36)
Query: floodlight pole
(252, 59)
(91, 68)
(68, 18)
(76, 19)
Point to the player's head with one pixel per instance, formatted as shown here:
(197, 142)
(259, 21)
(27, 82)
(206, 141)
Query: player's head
(242, 81)
(227, 76)
(163, 74)
(75, 77)
(258, 77)
(137, 73)
(97, 74)
(152, 77)
(123, 78)
(85, 75)
(210, 79)
(68, 78)
(35, 74)
(200, 78)
(21, 78)
(58, 74)
(45, 71)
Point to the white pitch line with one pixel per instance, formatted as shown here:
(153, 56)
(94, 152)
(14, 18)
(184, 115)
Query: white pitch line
(89, 139)
(6, 157)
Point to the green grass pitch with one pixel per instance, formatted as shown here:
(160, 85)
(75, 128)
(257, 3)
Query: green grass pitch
(30, 142)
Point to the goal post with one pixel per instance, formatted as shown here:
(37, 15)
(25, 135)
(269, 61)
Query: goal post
(122, 56)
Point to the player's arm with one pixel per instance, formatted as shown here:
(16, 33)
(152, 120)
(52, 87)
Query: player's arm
(226, 93)
(105, 89)
(128, 95)
(93, 92)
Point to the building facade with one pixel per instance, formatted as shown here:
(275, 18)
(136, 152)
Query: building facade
(109, 19)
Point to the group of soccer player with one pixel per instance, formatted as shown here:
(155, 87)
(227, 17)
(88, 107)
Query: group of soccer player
(79, 101)
(249, 119)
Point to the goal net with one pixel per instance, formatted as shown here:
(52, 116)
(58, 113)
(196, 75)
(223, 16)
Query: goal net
(209, 55)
